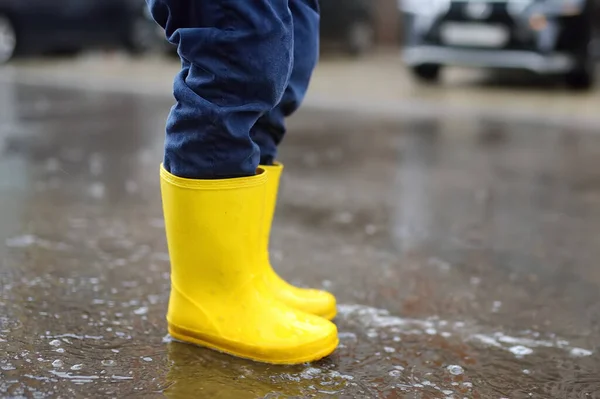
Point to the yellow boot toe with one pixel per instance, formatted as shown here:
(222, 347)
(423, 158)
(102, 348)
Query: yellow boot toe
(317, 302)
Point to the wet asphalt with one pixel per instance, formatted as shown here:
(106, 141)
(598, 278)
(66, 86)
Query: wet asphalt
(463, 252)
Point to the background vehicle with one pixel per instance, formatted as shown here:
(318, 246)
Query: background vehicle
(551, 37)
(68, 26)
(350, 23)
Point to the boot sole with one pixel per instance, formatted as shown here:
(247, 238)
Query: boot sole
(191, 337)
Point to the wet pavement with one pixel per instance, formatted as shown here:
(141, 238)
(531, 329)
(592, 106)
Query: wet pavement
(463, 251)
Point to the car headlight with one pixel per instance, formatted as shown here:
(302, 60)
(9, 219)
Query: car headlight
(424, 7)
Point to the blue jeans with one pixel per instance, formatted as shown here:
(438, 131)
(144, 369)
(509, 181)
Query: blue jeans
(245, 67)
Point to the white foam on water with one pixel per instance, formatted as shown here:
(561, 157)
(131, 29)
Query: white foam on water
(97, 190)
(496, 306)
(108, 363)
(29, 240)
(375, 320)
(141, 311)
(337, 374)
(520, 350)
(69, 376)
(347, 335)
(82, 381)
(475, 280)
(380, 318)
(119, 377)
(310, 373)
(38, 378)
(21, 241)
(579, 352)
(490, 341)
(455, 369)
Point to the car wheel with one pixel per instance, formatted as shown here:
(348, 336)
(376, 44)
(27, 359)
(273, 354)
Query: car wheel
(429, 73)
(8, 39)
(583, 76)
(581, 79)
(360, 38)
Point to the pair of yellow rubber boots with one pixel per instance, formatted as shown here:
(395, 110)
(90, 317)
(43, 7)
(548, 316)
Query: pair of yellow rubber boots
(224, 293)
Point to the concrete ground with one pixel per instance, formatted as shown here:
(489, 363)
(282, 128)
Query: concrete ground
(459, 227)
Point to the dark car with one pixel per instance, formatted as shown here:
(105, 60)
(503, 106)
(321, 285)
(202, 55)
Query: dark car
(551, 37)
(349, 22)
(38, 26)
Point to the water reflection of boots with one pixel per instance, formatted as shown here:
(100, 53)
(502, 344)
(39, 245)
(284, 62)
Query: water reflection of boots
(200, 373)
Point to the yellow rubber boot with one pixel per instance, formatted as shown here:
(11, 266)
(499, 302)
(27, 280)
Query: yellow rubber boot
(218, 295)
(317, 302)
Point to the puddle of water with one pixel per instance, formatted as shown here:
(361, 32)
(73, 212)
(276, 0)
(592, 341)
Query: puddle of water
(379, 354)
(93, 322)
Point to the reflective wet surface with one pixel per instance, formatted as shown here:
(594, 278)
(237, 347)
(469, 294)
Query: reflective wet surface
(463, 252)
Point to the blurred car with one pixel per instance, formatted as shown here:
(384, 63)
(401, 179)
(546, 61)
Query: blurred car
(350, 23)
(67, 26)
(551, 37)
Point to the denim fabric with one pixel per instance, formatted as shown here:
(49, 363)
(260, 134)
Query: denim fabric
(270, 128)
(236, 62)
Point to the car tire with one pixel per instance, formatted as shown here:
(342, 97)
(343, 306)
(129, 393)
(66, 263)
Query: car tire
(8, 39)
(581, 79)
(360, 38)
(583, 76)
(428, 73)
